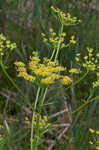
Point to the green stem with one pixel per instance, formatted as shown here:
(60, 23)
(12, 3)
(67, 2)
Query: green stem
(78, 109)
(32, 125)
(53, 54)
(13, 83)
(38, 116)
(58, 47)
(44, 96)
(76, 82)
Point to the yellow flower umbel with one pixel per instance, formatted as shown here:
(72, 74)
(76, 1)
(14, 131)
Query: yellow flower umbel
(90, 62)
(96, 83)
(64, 18)
(95, 141)
(53, 39)
(42, 121)
(5, 45)
(66, 80)
(74, 71)
(77, 58)
(73, 41)
(42, 74)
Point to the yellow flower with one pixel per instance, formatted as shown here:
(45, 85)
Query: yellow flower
(8, 42)
(97, 74)
(43, 74)
(13, 46)
(96, 83)
(75, 71)
(8, 45)
(91, 130)
(97, 132)
(90, 142)
(85, 57)
(43, 34)
(66, 80)
(64, 18)
(72, 40)
(77, 59)
(97, 54)
(63, 34)
(78, 54)
(51, 30)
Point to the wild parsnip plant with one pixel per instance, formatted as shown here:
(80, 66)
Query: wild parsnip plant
(45, 73)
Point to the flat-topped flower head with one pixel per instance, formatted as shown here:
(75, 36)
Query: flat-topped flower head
(42, 121)
(42, 73)
(5, 45)
(74, 71)
(64, 18)
(90, 62)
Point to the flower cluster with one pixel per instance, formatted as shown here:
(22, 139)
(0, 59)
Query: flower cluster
(96, 83)
(95, 141)
(42, 74)
(43, 121)
(5, 44)
(53, 39)
(90, 62)
(77, 58)
(64, 18)
(73, 41)
(74, 71)
(1, 137)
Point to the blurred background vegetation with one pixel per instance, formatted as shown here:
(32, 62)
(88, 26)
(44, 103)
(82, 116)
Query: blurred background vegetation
(23, 21)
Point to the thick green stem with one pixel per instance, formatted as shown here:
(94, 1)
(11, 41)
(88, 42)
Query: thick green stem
(58, 47)
(38, 117)
(44, 96)
(32, 125)
(53, 54)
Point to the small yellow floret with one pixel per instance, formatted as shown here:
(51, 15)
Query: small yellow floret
(90, 142)
(72, 41)
(75, 71)
(91, 130)
(66, 80)
(97, 132)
